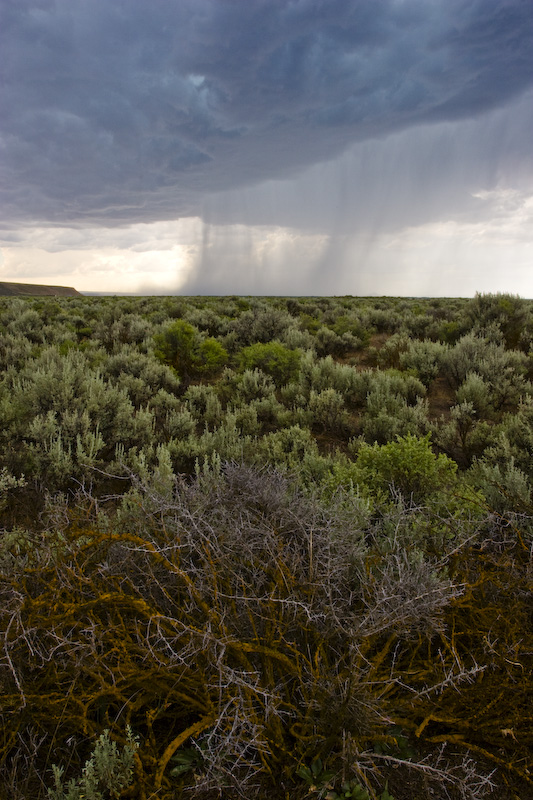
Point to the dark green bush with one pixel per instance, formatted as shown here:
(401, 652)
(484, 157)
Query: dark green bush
(272, 358)
(182, 348)
(408, 464)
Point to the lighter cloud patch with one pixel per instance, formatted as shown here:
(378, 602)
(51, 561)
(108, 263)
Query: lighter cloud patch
(510, 214)
(140, 237)
(196, 80)
(102, 270)
(148, 258)
(452, 258)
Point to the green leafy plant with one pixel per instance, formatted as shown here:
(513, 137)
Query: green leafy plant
(187, 759)
(321, 784)
(106, 773)
(409, 464)
(272, 358)
(354, 790)
(316, 776)
(182, 347)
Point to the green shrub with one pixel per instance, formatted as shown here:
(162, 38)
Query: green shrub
(181, 347)
(464, 436)
(424, 358)
(262, 324)
(505, 486)
(396, 345)
(327, 342)
(408, 464)
(139, 373)
(328, 411)
(382, 425)
(324, 373)
(272, 358)
(254, 385)
(211, 356)
(203, 403)
(394, 407)
(107, 772)
(509, 312)
(474, 391)
(514, 437)
(503, 370)
(289, 447)
(60, 418)
(295, 338)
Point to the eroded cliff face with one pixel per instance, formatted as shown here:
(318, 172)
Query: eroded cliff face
(17, 289)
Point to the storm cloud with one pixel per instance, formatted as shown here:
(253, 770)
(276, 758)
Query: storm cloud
(309, 115)
(133, 111)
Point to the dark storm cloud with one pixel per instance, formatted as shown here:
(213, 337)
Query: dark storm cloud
(135, 111)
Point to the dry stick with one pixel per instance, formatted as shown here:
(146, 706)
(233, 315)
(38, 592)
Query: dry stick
(458, 739)
(421, 767)
(9, 661)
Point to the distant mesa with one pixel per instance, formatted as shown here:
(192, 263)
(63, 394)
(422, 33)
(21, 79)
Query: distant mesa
(33, 289)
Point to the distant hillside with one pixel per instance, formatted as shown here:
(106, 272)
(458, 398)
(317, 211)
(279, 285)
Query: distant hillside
(33, 289)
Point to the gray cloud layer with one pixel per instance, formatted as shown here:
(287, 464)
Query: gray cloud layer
(135, 111)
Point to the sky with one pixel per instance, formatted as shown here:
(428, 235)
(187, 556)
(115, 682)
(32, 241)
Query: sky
(268, 147)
